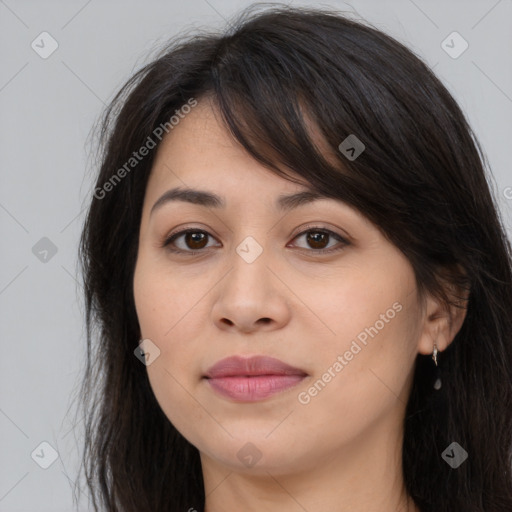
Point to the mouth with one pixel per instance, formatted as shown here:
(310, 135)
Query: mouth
(252, 379)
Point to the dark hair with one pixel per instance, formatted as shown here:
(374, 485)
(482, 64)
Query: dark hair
(276, 76)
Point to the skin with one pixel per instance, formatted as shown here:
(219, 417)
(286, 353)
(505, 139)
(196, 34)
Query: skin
(341, 450)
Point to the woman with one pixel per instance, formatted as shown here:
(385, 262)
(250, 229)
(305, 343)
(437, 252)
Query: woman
(300, 282)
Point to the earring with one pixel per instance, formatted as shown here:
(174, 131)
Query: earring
(437, 382)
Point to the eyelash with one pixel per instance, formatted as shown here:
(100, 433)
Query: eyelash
(315, 229)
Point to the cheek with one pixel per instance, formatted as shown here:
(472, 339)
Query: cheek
(175, 396)
(164, 299)
(166, 318)
(366, 300)
(371, 347)
(371, 381)
(168, 314)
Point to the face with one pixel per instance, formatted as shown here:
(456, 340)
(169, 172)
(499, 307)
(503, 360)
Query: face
(314, 285)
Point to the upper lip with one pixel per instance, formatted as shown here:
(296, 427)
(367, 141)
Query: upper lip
(238, 366)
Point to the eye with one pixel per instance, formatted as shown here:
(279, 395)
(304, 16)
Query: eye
(194, 240)
(319, 238)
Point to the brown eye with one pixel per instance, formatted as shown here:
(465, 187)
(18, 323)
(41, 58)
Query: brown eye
(318, 240)
(190, 240)
(195, 240)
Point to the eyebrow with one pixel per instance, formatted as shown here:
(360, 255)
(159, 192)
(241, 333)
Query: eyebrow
(211, 200)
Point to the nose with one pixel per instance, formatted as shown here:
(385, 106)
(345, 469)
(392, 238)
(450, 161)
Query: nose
(251, 297)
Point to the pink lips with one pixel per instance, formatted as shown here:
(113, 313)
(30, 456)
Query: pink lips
(252, 379)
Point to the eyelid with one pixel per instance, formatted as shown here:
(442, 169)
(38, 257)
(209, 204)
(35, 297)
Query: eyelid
(312, 226)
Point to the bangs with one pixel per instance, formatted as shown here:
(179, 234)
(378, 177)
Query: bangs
(290, 115)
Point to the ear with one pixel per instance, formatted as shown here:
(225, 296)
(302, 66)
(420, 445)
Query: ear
(441, 323)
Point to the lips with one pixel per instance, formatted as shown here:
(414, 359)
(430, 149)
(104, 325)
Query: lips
(252, 379)
(237, 366)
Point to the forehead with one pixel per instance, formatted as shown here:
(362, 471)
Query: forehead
(199, 152)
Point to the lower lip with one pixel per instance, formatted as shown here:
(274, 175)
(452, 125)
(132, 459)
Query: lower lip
(252, 389)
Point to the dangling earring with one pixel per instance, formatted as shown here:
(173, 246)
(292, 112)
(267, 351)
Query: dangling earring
(437, 382)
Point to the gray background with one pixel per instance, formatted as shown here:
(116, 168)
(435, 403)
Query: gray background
(48, 107)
